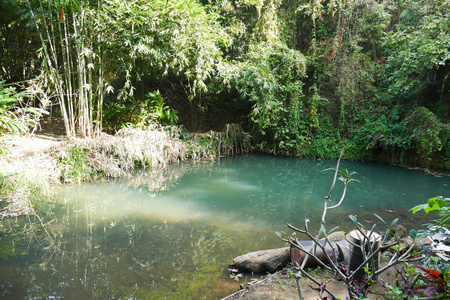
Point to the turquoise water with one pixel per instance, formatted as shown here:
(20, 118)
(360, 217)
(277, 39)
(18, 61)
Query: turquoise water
(171, 233)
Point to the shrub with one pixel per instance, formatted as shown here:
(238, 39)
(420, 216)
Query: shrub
(15, 115)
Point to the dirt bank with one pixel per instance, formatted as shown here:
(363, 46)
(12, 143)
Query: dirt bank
(282, 286)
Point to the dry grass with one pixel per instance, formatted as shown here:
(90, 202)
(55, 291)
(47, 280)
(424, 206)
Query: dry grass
(24, 182)
(116, 156)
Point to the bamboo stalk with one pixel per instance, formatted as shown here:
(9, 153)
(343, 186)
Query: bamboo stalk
(47, 58)
(55, 73)
(66, 67)
(100, 88)
(79, 62)
(70, 96)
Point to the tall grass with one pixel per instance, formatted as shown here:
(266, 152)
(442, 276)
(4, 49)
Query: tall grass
(24, 183)
(117, 155)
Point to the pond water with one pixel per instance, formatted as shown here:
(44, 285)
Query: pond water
(171, 233)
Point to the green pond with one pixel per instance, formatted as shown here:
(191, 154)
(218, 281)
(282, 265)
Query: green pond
(171, 233)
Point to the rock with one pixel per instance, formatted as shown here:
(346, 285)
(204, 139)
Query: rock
(405, 244)
(423, 241)
(400, 232)
(262, 261)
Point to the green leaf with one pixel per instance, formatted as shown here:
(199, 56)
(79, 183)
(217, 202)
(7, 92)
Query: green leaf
(394, 222)
(381, 219)
(353, 218)
(435, 203)
(333, 229)
(413, 234)
(419, 207)
(396, 247)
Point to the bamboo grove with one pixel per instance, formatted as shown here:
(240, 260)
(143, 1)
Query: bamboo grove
(304, 77)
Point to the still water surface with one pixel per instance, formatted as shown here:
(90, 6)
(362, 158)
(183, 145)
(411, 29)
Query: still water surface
(171, 233)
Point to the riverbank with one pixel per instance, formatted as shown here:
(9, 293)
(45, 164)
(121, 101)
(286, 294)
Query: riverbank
(32, 165)
(29, 171)
(283, 286)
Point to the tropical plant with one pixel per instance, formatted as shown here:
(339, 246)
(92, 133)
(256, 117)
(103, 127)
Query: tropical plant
(438, 282)
(438, 204)
(75, 167)
(148, 41)
(16, 115)
(436, 269)
(139, 113)
(418, 50)
(152, 111)
(72, 61)
(307, 77)
(271, 78)
(18, 44)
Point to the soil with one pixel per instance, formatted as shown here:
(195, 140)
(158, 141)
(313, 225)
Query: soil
(46, 138)
(281, 286)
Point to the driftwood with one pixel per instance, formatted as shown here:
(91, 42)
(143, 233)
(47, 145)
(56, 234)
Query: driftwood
(261, 261)
(269, 261)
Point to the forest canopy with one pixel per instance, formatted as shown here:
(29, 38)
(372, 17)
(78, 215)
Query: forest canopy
(305, 78)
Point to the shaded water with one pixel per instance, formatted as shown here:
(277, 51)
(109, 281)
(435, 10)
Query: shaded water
(171, 233)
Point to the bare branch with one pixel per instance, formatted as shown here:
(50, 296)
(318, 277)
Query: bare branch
(316, 282)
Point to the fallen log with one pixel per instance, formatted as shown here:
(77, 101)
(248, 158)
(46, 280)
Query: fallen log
(262, 261)
(269, 261)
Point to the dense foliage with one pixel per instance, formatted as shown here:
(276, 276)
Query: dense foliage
(15, 114)
(304, 77)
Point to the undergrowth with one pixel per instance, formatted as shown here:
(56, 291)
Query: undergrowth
(25, 183)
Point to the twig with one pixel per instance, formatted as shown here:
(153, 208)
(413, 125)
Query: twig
(316, 282)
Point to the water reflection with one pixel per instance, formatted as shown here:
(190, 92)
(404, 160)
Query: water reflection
(172, 232)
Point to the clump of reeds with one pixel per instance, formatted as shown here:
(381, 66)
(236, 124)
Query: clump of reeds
(115, 156)
(233, 140)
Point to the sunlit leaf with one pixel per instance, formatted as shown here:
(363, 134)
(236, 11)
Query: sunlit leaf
(394, 222)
